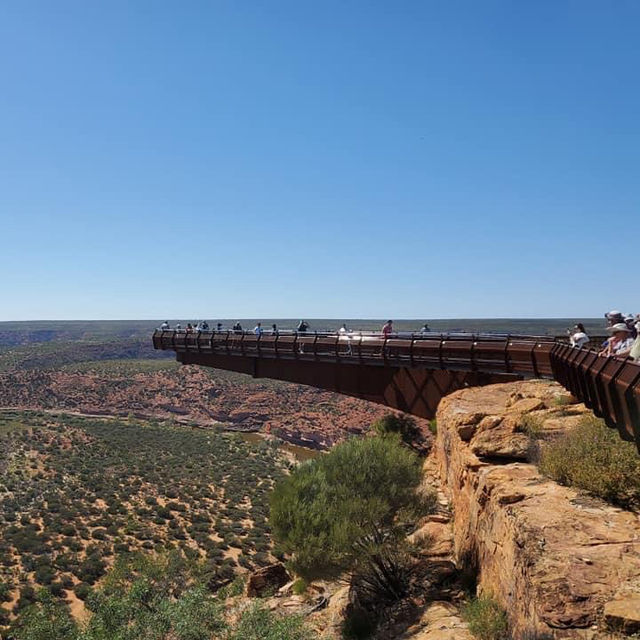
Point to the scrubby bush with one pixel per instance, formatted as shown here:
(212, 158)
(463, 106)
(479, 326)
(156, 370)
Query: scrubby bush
(399, 424)
(299, 586)
(5, 591)
(592, 457)
(347, 511)
(27, 597)
(82, 590)
(487, 620)
(531, 425)
(258, 623)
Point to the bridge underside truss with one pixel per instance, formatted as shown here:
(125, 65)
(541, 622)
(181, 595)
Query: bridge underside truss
(413, 390)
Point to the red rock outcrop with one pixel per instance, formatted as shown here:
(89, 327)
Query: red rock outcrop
(562, 565)
(299, 414)
(267, 580)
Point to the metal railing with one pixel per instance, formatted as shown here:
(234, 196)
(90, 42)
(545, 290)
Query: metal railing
(490, 353)
(609, 386)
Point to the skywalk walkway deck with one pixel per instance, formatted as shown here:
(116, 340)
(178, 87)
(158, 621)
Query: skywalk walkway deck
(412, 372)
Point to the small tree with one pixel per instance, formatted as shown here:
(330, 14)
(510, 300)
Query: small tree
(347, 511)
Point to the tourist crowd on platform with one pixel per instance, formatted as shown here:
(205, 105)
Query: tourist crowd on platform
(302, 327)
(624, 338)
(623, 341)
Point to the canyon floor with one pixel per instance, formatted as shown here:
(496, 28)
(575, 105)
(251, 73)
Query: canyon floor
(160, 389)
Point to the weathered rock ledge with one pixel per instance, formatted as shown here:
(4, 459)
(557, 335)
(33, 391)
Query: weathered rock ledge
(563, 565)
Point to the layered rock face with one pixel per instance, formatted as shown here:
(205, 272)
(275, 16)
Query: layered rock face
(563, 565)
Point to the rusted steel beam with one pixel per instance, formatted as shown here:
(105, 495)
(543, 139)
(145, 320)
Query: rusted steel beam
(411, 389)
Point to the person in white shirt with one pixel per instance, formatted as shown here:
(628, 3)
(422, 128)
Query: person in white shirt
(579, 337)
(343, 332)
(258, 329)
(165, 326)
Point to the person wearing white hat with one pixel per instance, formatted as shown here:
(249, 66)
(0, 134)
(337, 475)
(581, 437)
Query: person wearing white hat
(613, 317)
(620, 342)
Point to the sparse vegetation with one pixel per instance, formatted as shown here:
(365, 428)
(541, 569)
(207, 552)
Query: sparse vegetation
(532, 425)
(561, 401)
(75, 493)
(592, 457)
(258, 623)
(163, 598)
(487, 620)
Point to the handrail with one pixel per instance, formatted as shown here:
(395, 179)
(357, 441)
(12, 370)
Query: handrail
(396, 349)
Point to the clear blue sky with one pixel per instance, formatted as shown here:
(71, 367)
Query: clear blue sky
(319, 159)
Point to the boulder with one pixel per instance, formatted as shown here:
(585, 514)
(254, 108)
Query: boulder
(267, 580)
(623, 614)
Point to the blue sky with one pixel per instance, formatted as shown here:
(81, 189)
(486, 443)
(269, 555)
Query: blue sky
(319, 159)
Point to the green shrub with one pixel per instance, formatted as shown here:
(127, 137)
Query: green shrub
(592, 457)
(236, 588)
(5, 591)
(532, 425)
(82, 590)
(346, 511)
(486, 619)
(299, 586)
(258, 623)
(403, 425)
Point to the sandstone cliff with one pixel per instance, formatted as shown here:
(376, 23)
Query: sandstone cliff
(562, 564)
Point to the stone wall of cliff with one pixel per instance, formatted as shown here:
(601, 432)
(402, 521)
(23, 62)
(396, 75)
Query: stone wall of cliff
(562, 564)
